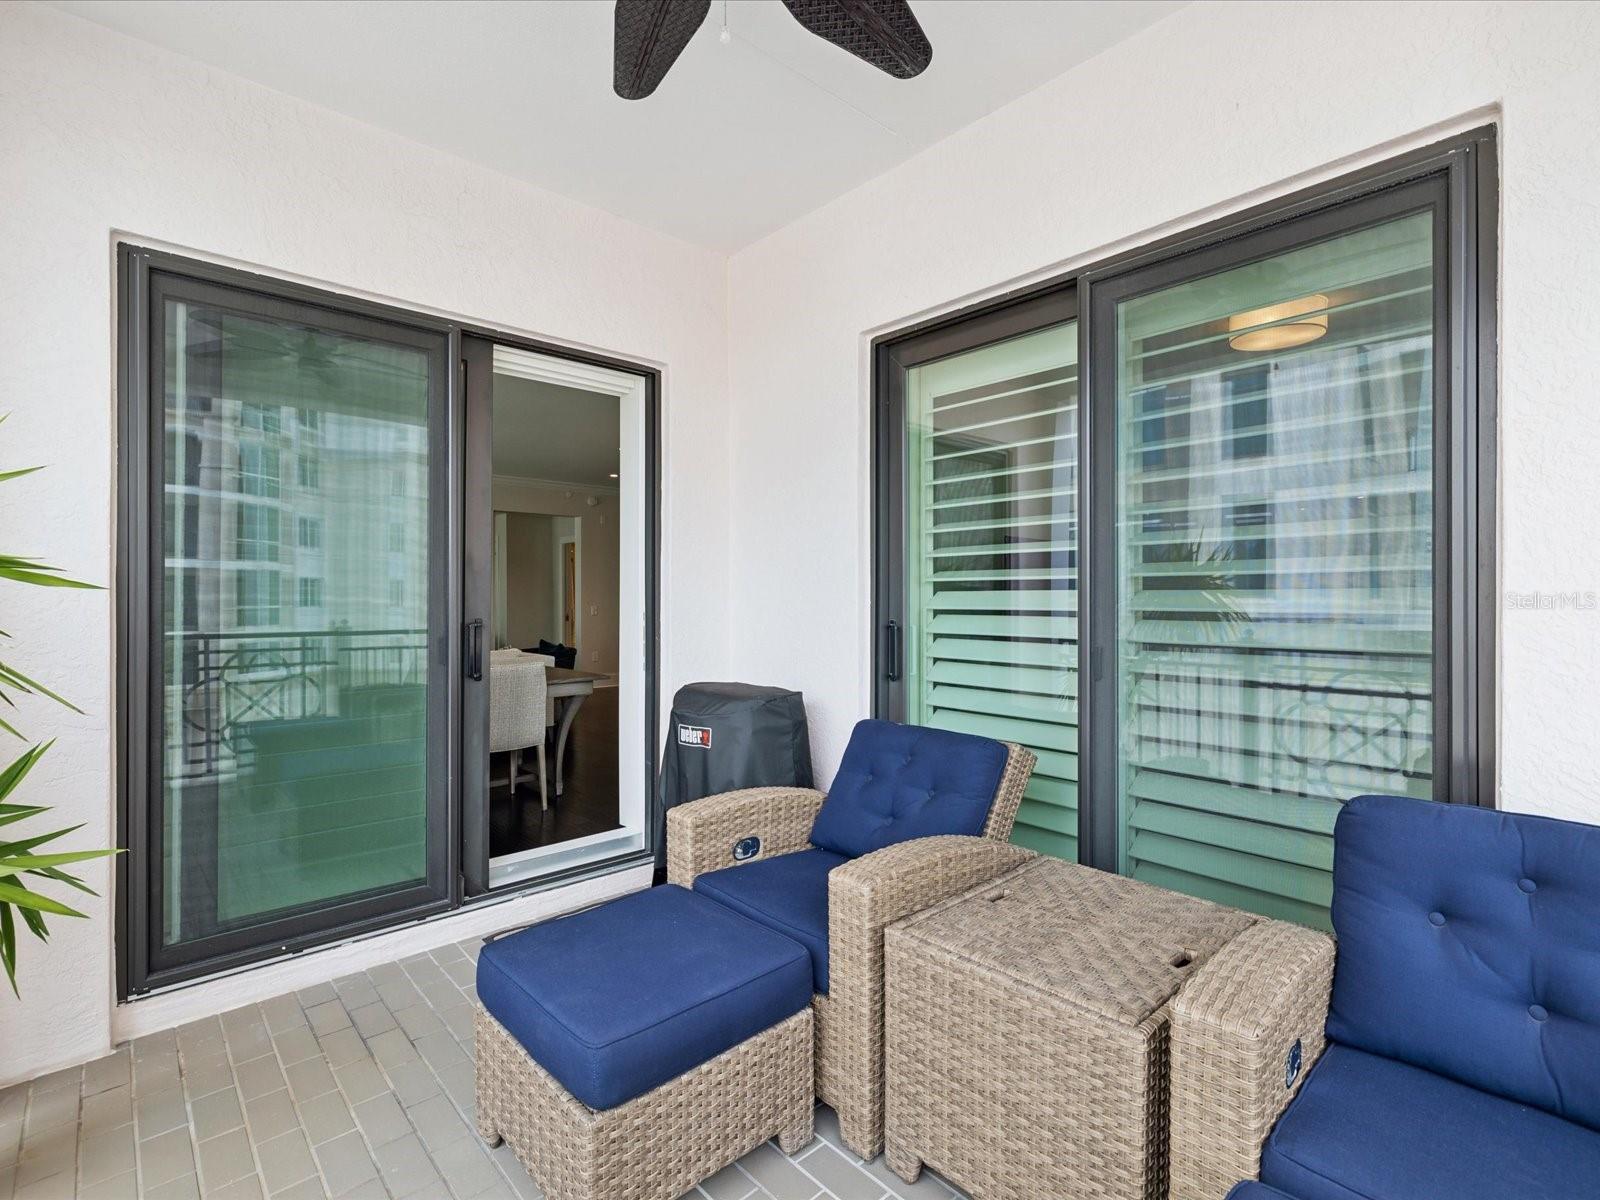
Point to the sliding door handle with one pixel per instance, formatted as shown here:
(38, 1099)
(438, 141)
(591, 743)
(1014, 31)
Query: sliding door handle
(472, 648)
(896, 650)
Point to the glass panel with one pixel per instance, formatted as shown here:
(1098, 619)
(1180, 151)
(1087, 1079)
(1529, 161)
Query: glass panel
(992, 560)
(294, 666)
(1274, 526)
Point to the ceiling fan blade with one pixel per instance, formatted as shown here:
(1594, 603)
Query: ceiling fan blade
(650, 34)
(884, 33)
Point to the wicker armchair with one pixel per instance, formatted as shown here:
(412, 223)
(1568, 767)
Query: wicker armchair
(865, 894)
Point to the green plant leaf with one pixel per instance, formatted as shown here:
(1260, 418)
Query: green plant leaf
(16, 812)
(18, 473)
(35, 922)
(22, 847)
(8, 947)
(17, 679)
(14, 893)
(63, 877)
(33, 862)
(20, 766)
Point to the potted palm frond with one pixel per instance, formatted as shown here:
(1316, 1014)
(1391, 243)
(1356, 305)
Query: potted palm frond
(26, 864)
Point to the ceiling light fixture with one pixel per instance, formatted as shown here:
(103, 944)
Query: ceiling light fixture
(1280, 326)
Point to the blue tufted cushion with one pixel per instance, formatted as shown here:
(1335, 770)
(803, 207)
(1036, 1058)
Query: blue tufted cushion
(1370, 1128)
(788, 893)
(1468, 946)
(621, 998)
(899, 782)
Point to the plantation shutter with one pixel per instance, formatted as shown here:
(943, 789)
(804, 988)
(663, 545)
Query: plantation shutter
(1275, 516)
(991, 561)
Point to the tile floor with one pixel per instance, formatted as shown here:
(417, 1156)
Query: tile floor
(359, 1088)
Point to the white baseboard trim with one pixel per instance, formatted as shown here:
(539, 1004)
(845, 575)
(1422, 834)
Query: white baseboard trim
(178, 1006)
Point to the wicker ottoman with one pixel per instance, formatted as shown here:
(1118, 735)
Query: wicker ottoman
(1027, 1032)
(632, 1050)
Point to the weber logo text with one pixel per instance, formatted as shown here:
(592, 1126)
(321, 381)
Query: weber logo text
(694, 735)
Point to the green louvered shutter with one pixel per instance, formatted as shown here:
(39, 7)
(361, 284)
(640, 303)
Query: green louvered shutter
(991, 560)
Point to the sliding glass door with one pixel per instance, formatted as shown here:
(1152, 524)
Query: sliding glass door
(1274, 484)
(291, 731)
(989, 642)
(1283, 461)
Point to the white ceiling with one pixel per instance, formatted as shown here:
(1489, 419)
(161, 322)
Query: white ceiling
(562, 434)
(739, 140)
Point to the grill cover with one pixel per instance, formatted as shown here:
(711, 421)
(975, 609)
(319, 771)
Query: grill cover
(723, 736)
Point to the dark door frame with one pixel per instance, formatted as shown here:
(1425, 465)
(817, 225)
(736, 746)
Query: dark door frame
(142, 276)
(1459, 177)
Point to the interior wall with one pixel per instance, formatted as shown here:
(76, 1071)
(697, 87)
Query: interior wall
(1214, 108)
(102, 135)
(530, 553)
(596, 513)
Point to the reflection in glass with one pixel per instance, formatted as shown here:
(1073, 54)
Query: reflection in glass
(294, 666)
(992, 560)
(1274, 524)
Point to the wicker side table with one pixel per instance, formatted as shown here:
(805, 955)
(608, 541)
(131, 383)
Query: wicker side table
(1027, 1032)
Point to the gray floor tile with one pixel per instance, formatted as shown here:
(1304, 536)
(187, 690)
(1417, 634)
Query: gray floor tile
(14, 1101)
(419, 1021)
(325, 1018)
(730, 1183)
(285, 1160)
(319, 993)
(165, 1157)
(309, 1079)
(927, 1187)
(381, 1120)
(441, 993)
(160, 1111)
(345, 1163)
(372, 1189)
(437, 1122)
(259, 1076)
(185, 1187)
(778, 1175)
(271, 1115)
(226, 1158)
(46, 1110)
(372, 1019)
(839, 1175)
(248, 1188)
(100, 1112)
(207, 1074)
(406, 1168)
(11, 1140)
(103, 1074)
(119, 1187)
(460, 1084)
(399, 993)
(392, 1048)
(306, 1189)
(50, 1153)
(326, 1117)
(103, 1155)
(296, 1045)
(413, 1082)
(361, 1080)
(356, 991)
(216, 1114)
(282, 1014)
(466, 1168)
(343, 1046)
(201, 1038)
(440, 1050)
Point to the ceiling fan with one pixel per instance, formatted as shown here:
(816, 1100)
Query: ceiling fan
(650, 34)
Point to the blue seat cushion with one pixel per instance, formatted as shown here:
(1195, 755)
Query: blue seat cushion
(898, 782)
(1467, 946)
(1249, 1189)
(788, 893)
(1370, 1128)
(621, 998)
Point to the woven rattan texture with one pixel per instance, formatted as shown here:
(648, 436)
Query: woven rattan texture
(864, 896)
(660, 1144)
(1027, 1030)
(1235, 1066)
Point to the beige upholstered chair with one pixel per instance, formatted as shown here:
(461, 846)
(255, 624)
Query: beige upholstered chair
(517, 702)
(864, 895)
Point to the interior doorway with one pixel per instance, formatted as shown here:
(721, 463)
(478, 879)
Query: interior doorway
(555, 741)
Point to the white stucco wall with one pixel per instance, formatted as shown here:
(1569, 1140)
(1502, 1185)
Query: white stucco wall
(766, 555)
(1217, 107)
(99, 133)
